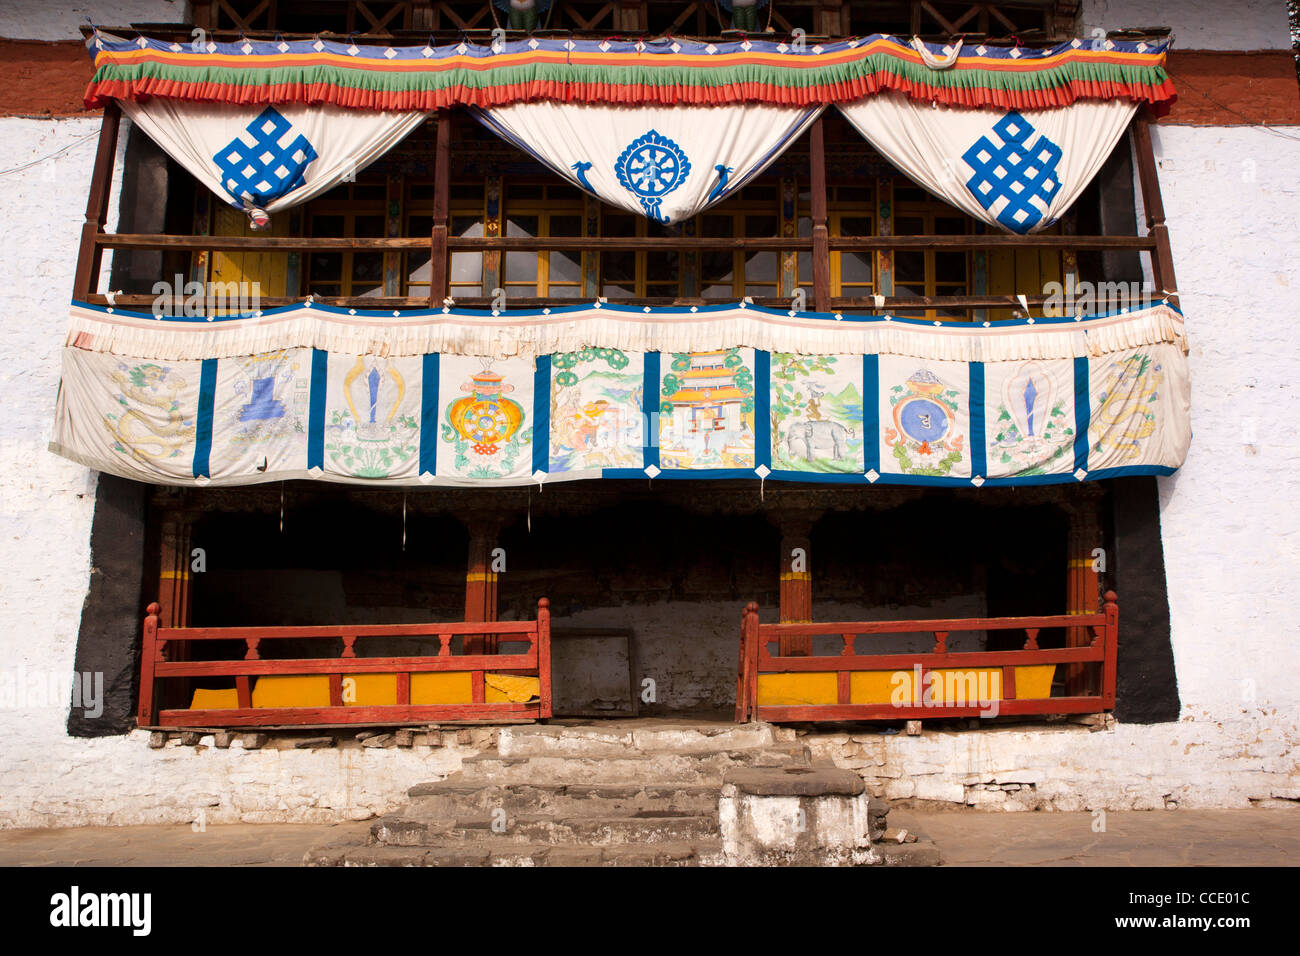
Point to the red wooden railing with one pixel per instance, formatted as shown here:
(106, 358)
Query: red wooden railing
(535, 662)
(1097, 693)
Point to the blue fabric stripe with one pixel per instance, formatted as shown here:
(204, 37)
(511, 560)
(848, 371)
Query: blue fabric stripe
(762, 408)
(542, 415)
(429, 415)
(978, 447)
(203, 422)
(1082, 413)
(871, 413)
(316, 410)
(650, 414)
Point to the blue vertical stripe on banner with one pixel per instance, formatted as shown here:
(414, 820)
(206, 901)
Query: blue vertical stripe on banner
(203, 424)
(429, 415)
(1082, 413)
(316, 410)
(762, 408)
(542, 415)
(650, 411)
(871, 413)
(978, 446)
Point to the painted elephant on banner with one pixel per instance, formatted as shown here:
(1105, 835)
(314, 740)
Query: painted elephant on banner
(804, 439)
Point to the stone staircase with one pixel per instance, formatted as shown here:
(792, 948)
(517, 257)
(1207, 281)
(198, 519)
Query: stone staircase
(608, 793)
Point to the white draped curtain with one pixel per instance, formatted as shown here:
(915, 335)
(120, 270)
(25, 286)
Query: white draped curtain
(1018, 171)
(269, 157)
(666, 163)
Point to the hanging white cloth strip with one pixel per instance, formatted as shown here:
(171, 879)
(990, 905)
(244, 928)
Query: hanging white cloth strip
(1019, 171)
(667, 163)
(674, 329)
(269, 157)
(1011, 403)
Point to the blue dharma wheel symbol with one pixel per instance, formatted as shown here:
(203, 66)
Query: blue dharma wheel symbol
(651, 167)
(923, 420)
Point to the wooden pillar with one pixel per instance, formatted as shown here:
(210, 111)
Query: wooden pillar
(394, 224)
(795, 578)
(789, 265)
(590, 257)
(492, 229)
(1162, 259)
(175, 589)
(1083, 586)
(884, 278)
(438, 288)
(821, 247)
(481, 581)
(89, 254)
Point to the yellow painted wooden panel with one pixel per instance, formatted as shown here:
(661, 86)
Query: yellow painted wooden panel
(877, 687)
(795, 689)
(215, 699)
(369, 689)
(510, 688)
(269, 269)
(292, 691)
(448, 687)
(1034, 683)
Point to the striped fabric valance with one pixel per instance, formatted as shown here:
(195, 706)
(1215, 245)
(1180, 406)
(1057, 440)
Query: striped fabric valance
(664, 71)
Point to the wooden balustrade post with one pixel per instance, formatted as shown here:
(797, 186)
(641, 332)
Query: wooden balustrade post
(148, 713)
(175, 591)
(544, 658)
(742, 664)
(89, 255)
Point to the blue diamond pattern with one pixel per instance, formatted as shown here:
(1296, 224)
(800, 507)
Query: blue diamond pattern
(1015, 170)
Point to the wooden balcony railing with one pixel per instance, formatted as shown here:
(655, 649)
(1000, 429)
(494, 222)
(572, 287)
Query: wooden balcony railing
(897, 686)
(348, 689)
(440, 245)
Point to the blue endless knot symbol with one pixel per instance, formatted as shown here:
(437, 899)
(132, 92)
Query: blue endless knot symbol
(651, 167)
(1015, 171)
(267, 169)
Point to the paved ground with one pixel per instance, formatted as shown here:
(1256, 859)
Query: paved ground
(964, 838)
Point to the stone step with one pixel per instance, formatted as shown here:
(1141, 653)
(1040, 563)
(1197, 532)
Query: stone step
(695, 853)
(663, 768)
(448, 800)
(535, 830)
(616, 739)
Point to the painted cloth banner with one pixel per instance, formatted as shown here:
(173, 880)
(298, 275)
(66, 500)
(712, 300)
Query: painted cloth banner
(1039, 401)
(269, 157)
(667, 164)
(1016, 170)
(662, 72)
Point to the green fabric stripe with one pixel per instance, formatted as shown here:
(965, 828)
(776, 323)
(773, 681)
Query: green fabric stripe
(380, 81)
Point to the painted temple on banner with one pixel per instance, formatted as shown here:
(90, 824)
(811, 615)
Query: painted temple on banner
(485, 363)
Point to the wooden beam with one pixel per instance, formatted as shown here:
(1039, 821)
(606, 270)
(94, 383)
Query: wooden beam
(1162, 259)
(89, 254)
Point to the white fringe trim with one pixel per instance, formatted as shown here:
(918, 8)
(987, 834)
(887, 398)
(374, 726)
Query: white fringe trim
(529, 334)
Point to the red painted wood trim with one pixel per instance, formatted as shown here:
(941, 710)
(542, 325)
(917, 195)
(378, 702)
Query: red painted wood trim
(404, 688)
(359, 665)
(523, 628)
(839, 712)
(768, 664)
(543, 647)
(305, 716)
(950, 624)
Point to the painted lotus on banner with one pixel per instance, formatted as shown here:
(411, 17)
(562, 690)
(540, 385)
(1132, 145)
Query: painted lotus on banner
(1126, 391)
(1031, 420)
(924, 417)
(817, 413)
(372, 424)
(484, 425)
(155, 421)
(706, 410)
(260, 418)
(596, 410)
